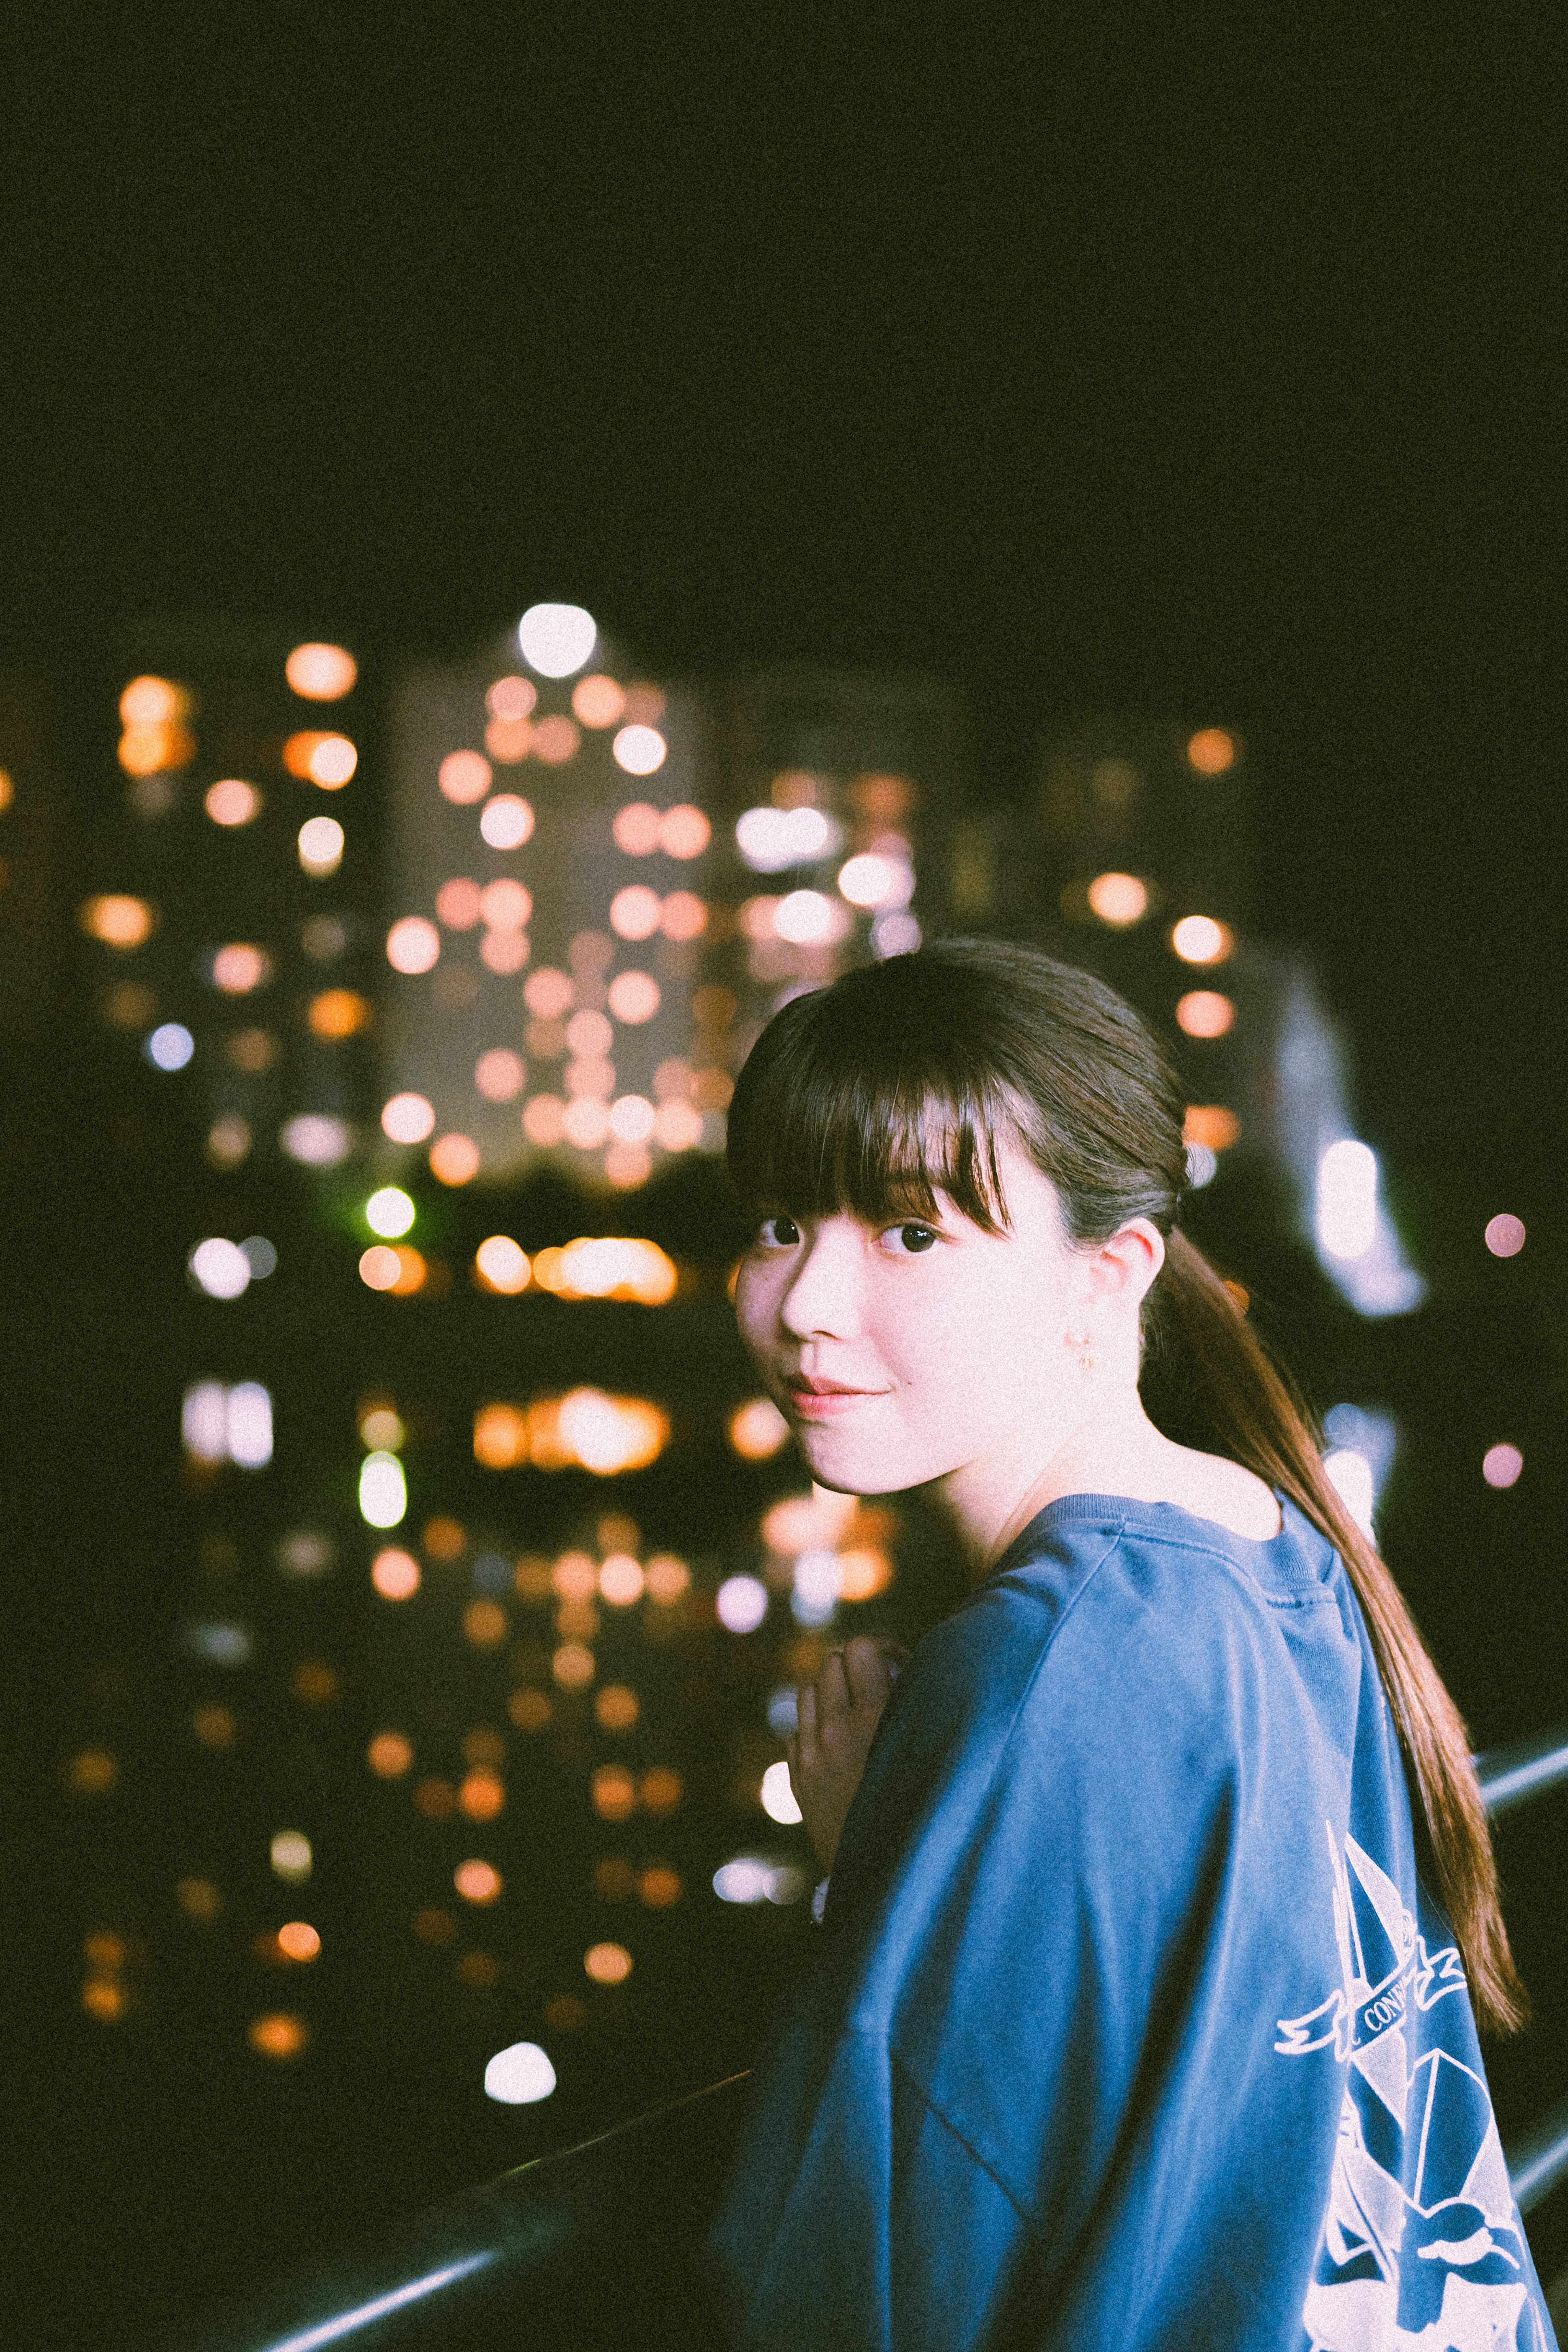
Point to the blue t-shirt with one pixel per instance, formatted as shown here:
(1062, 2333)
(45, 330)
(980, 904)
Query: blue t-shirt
(1131, 2028)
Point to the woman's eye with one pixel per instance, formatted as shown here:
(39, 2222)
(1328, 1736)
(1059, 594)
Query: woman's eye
(777, 1232)
(913, 1239)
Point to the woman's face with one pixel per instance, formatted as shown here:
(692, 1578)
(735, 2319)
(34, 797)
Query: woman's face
(903, 1352)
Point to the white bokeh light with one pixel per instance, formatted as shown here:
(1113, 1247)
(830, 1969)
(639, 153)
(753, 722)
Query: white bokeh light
(557, 639)
(383, 1491)
(221, 1268)
(519, 2075)
(1347, 1199)
(778, 1801)
(742, 1603)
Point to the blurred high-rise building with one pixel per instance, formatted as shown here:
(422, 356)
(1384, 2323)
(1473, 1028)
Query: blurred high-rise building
(1141, 860)
(547, 875)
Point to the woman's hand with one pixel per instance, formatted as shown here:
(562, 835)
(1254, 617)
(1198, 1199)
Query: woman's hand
(835, 1717)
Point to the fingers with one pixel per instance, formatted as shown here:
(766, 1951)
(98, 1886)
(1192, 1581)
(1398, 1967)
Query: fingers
(806, 1723)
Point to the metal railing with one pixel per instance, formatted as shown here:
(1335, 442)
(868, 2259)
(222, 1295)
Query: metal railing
(528, 2240)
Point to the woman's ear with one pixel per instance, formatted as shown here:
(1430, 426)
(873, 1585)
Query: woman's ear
(1125, 1267)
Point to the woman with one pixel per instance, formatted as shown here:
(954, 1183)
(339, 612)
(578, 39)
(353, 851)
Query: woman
(1145, 2009)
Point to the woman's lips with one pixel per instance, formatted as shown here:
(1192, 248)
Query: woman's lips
(828, 1405)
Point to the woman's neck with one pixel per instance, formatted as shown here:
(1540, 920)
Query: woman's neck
(1113, 1449)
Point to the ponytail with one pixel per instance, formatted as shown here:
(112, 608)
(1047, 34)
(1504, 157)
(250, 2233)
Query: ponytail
(1260, 1422)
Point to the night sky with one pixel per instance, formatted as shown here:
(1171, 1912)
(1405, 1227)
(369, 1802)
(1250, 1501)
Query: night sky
(1205, 362)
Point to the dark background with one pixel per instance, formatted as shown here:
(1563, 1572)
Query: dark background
(1207, 366)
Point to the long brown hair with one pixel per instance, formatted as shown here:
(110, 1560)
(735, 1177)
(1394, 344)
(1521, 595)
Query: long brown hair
(902, 1077)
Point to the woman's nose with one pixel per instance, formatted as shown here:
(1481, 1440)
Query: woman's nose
(822, 1296)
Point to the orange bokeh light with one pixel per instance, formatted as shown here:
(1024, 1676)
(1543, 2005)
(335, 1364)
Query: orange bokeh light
(1212, 1124)
(598, 701)
(499, 1074)
(337, 1012)
(477, 1882)
(298, 1941)
(661, 1789)
(554, 741)
(389, 1755)
(279, 2034)
(511, 698)
(482, 1796)
(118, 920)
(485, 1623)
(500, 1436)
(615, 1792)
(457, 903)
(616, 1708)
(683, 832)
(1211, 751)
(1118, 899)
(636, 829)
(395, 1574)
(464, 777)
(608, 1963)
(1205, 1013)
(530, 1710)
(232, 802)
(320, 673)
(659, 1886)
(454, 1160)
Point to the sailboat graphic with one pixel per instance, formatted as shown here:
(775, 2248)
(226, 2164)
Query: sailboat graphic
(1421, 2248)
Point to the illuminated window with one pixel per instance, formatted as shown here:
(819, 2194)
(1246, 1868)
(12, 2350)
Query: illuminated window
(557, 639)
(383, 1491)
(499, 1074)
(598, 701)
(636, 829)
(501, 1265)
(669, 1579)
(1505, 1235)
(413, 945)
(321, 673)
(219, 1267)
(615, 1792)
(555, 740)
(758, 1429)
(661, 1789)
(808, 919)
(742, 1603)
(321, 846)
(291, 1856)
(482, 1796)
(548, 993)
(621, 1580)
(633, 998)
(1211, 751)
(1119, 900)
(678, 1126)
(316, 1140)
(616, 1708)
(232, 802)
(1501, 1465)
(1205, 1013)
(508, 740)
(316, 758)
(119, 921)
(544, 1120)
(337, 1012)
(869, 880)
(1198, 938)
(485, 1623)
(395, 1576)
(457, 903)
(506, 820)
(506, 905)
(279, 2034)
(464, 777)
(638, 750)
(634, 912)
(477, 1882)
(239, 968)
(572, 1665)
(511, 698)
(454, 1160)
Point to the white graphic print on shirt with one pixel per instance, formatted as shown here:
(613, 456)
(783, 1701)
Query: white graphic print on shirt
(1421, 2250)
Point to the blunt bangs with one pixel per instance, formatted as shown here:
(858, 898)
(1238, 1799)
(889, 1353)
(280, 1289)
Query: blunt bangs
(838, 1109)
